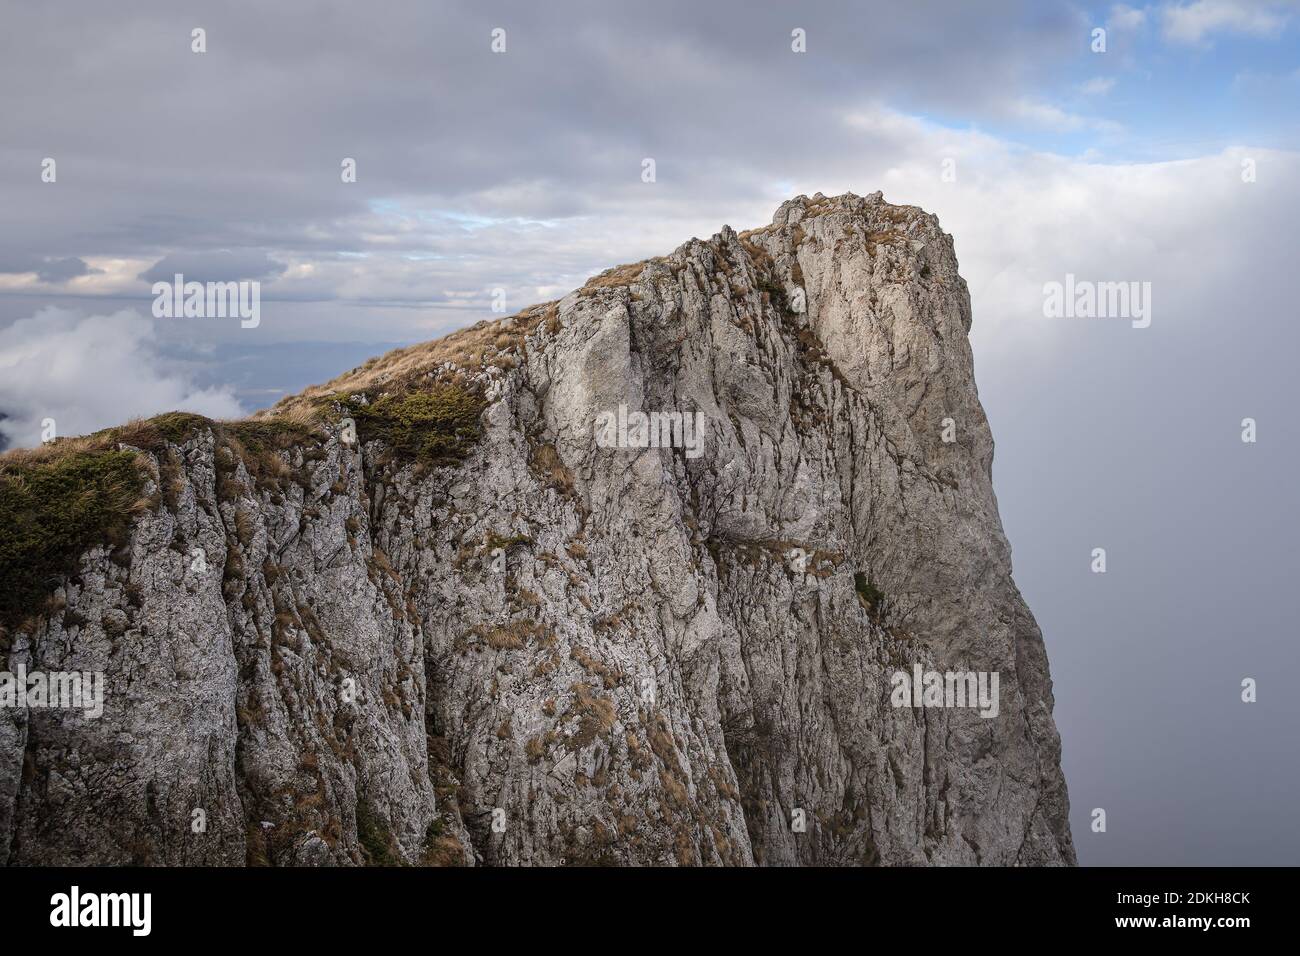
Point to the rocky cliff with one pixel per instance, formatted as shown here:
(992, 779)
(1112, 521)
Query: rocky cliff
(447, 609)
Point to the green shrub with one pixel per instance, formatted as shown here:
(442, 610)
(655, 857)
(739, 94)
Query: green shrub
(437, 426)
(872, 596)
(270, 434)
(151, 434)
(51, 512)
(494, 541)
(259, 443)
(377, 843)
(174, 427)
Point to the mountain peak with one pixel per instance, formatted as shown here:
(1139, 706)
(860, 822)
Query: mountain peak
(662, 572)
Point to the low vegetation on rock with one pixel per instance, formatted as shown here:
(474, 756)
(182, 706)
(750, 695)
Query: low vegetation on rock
(435, 426)
(52, 509)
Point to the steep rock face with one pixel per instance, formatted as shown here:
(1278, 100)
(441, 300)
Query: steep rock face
(552, 651)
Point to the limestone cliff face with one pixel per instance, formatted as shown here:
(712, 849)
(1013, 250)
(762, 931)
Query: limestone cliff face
(549, 651)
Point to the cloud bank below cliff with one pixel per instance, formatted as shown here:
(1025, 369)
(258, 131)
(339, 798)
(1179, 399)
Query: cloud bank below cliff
(86, 372)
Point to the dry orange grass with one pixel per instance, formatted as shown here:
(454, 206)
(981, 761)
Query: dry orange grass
(486, 343)
(617, 276)
(25, 457)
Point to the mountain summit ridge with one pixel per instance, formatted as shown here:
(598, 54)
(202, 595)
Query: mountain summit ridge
(435, 612)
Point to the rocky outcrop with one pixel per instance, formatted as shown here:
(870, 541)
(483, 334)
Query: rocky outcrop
(527, 645)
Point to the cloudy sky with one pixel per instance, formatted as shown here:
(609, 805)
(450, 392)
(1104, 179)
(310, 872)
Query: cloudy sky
(1170, 158)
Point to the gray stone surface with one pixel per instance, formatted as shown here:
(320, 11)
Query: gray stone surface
(656, 675)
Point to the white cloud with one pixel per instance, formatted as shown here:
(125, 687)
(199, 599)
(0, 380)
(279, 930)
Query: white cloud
(1191, 23)
(1053, 117)
(1098, 86)
(1124, 17)
(1021, 218)
(89, 372)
